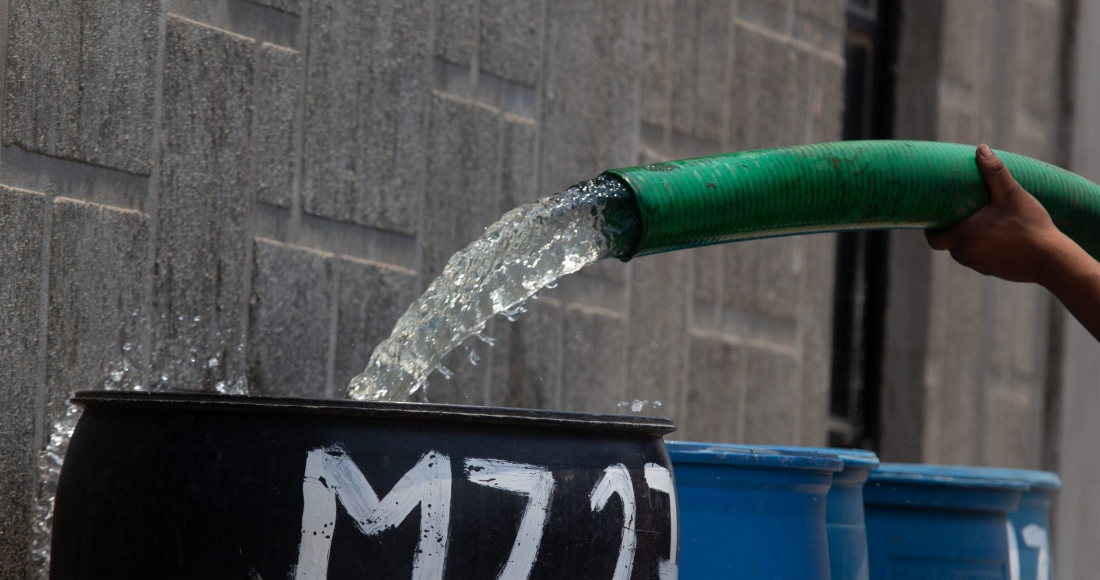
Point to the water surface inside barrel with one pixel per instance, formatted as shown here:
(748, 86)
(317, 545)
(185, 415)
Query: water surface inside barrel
(752, 512)
(209, 486)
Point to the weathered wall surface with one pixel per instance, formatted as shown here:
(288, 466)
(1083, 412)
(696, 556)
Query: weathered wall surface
(197, 191)
(980, 371)
(1076, 454)
(966, 367)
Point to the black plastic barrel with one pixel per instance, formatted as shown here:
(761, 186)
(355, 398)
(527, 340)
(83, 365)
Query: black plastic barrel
(169, 485)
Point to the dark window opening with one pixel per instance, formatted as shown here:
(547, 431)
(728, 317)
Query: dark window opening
(861, 268)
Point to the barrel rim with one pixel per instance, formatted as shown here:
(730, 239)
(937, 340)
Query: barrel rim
(958, 476)
(1037, 479)
(852, 458)
(693, 452)
(375, 409)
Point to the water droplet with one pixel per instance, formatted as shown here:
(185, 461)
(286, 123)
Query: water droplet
(212, 363)
(551, 285)
(513, 313)
(424, 390)
(637, 405)
(196, 319)
(446, 372)
(127, 347)
(657, 404)
(487, 339)
(474, 359)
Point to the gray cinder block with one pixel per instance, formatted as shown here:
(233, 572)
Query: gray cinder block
(80, 80)
(98, 307)
(22, 221)
(276, 108)
(290, 322)
(594, 357)
(367, 93)
(715, 398)
(511, 40)
(199, 289)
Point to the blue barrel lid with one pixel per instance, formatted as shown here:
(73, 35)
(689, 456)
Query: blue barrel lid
(949, 476)
(751, 456)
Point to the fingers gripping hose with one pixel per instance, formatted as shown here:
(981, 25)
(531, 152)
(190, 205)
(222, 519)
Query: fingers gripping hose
(838, 186)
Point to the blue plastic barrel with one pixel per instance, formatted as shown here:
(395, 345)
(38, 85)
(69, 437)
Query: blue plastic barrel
(750, 512)
(934, 521)
(1029, 526)
(844, 513)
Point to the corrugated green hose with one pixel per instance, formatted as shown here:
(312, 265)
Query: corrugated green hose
(838, 186)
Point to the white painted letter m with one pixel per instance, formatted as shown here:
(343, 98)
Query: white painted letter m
(330, 474)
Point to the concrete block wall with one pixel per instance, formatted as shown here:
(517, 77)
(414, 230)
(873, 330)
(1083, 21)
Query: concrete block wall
(968, 357)
(1073, 452)
(196, 192)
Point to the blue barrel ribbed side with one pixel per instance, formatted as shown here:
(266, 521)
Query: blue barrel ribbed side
(844, 510)
(749, 512)
(929, 521)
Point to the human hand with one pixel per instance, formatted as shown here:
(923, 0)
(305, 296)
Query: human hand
(1012, 238)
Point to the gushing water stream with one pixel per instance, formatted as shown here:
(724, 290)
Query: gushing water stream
(529, 248)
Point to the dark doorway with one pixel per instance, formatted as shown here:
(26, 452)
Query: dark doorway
(859, 303)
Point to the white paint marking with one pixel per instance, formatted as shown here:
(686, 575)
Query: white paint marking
(331, 474)
(1036, 537)
(616, 480)
(1013, 553)
(536, 483)
(660, 479)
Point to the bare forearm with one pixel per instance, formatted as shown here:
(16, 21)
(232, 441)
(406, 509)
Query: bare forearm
(1073, 277)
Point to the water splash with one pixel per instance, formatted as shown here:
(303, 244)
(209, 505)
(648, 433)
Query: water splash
(474, 359)
(120, 376)
(238, 387)
(638, 405)
(529, 248)
(49, 471)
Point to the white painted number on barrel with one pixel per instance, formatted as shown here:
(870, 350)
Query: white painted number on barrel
(1013, 553)
(616, 481)
(331, 475)
(1036, 537)
(659, 479)
(537, 483)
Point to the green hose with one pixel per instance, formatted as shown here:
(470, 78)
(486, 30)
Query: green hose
(838, 186)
